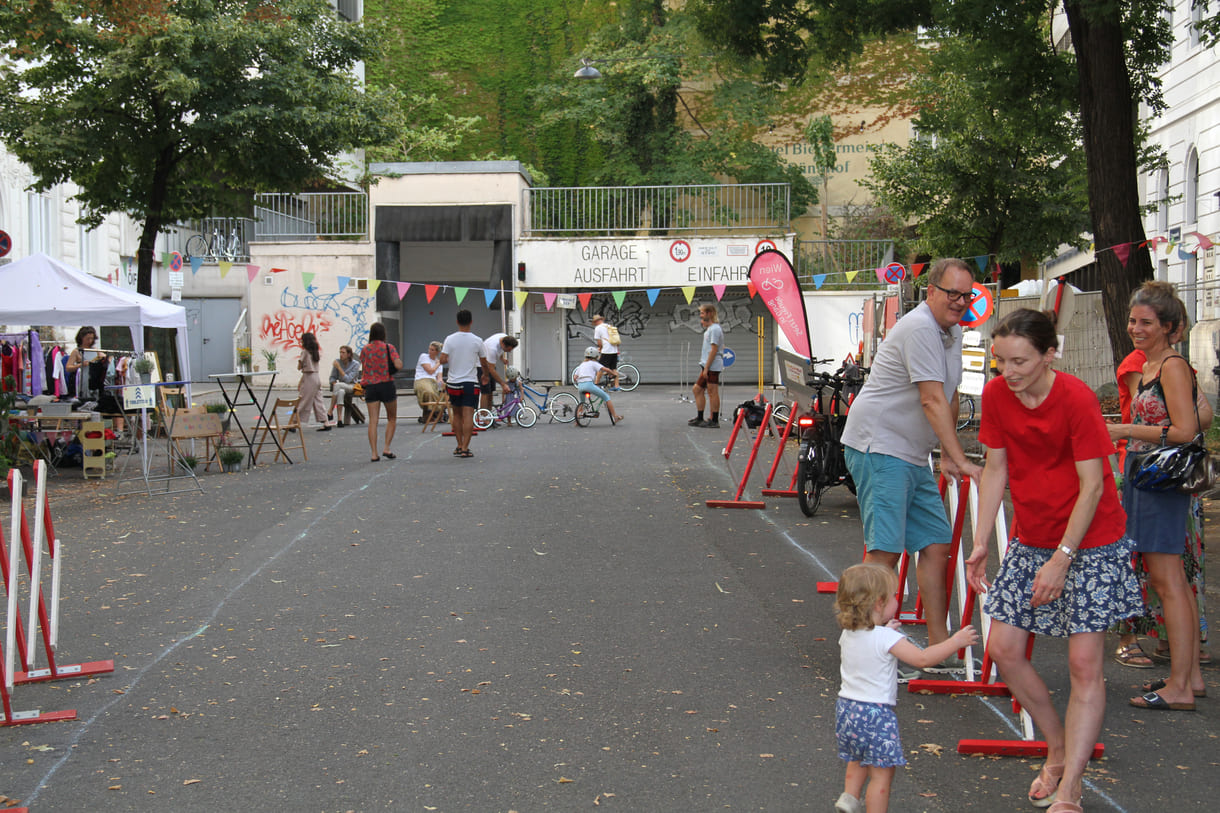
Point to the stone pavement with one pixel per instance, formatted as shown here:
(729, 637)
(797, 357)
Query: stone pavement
(558, 623)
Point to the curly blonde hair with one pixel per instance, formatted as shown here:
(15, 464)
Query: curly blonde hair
(861, 587)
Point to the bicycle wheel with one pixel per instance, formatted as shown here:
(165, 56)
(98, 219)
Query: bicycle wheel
(196, 246)
(965, 411)
(808, 484)
(563, 407)
(781, 413)
(526, 417)
(483, 418)
(584, 413)
(628, 377)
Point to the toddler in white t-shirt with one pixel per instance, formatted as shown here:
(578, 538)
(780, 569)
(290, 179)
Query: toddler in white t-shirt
(870, 647)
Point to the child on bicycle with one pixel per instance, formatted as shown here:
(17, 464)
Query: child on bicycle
(585, 377)
(870, 647)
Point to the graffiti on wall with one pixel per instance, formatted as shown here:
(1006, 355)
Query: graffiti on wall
(732, 313)
(340, 317)
(631, 319)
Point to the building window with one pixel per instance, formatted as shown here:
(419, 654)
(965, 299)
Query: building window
(39, 223)
(348, 9)
(1162, 201)
(1196, 18)
(1190, 195)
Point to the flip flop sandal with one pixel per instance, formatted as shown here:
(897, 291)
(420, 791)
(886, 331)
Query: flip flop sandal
(1064, 806)
(374, 459)
(1154, 702)
(457, 452)
(390, 455)
(1133, 656)
(1157, 685)
(467, 453)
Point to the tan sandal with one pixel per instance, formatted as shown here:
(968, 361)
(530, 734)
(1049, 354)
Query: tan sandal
(1134, 656)
(1064, 806)
(1045, 784)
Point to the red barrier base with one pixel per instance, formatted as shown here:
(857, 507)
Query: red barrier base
(1014, 748)
(73, 671)
(910, 617)
(828, 587)
(736, 504)
(778, 492)
(957, 687)
(30, 717)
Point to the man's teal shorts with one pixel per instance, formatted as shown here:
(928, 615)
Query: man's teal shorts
(899, 503)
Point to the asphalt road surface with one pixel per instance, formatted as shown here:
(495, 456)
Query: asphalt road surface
(559, 623)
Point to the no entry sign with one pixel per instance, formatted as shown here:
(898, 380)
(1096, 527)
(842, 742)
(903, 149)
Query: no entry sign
(981, 307)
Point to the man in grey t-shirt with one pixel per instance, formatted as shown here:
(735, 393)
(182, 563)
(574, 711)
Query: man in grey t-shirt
(906, 407)
(711, 362)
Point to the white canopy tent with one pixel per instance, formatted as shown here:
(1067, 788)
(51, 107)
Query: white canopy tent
(38, 290)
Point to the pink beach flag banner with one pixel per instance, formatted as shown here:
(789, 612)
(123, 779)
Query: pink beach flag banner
(775, 280)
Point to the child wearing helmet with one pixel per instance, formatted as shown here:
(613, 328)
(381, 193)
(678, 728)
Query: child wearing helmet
(586, 375)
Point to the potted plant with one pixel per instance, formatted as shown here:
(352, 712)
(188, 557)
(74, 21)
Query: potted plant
(270, 356)
(222, 410)
(143, 366)
(243, 359)
(230, 458)
(187, 464)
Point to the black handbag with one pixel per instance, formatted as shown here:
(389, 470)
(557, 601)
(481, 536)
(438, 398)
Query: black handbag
(1185, 467)
(389, 360)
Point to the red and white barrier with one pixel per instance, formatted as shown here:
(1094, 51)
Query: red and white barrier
(737, 501)
(17, 666)
(986, 683)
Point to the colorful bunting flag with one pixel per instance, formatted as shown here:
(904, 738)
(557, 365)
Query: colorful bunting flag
(520, 296)
(251, 272)
(402, 287)
(307, 278)
(1123, 253)
(818, 281)
(489, 296)
(981, 262)
(430, 291)
(342, 283)
(374, 284)
(225, 268)
(750, 289)
(851, 275)
(718, 290)
(688, 291)
(619, 296)
(548, 299)
(196, 264)
(583, 299)
(653, 293)
(460, 294)
(916, 270)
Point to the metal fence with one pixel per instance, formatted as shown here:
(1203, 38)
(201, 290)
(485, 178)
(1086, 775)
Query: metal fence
(212, 238)
(656, 210)
(289, 216)
(835, 258)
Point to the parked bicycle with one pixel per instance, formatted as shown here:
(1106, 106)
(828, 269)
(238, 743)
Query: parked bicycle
(965, 411)
(216, 247)
(628, 377)
(820, 462)
(513, 409)
(561, 406)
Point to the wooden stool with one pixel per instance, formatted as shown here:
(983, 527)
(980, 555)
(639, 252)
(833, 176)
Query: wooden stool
(434, 410)
(92, 437)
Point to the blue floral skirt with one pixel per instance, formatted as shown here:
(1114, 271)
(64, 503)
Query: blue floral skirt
(868, 733)
(1100, 589)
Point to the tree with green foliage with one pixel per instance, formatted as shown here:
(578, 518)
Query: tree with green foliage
(173, 109)
(1118, 46)
(665, 113)
(996, 167)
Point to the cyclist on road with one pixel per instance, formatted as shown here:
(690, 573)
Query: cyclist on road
(586, 376)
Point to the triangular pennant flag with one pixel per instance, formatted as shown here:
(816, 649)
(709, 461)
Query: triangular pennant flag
(342, 282)
(916, 269)
(165, 257)
(126, 264)
(1183, 254)
(1204, 241)
(653, 293)
(619, 296)
(430, 291)
(225, 267)
(402, 287)
(196, 264)
(251, 272)
(818, 281)
(851, 275)
(374, 284)
(278, 270)
(548, 299)
(718, 290)
(307, 278)
(460, 294)
(1123, 252)
(689, 292)
(520, 296)
(750, 287)
(981, 262)
(584, 301)
(489, 295)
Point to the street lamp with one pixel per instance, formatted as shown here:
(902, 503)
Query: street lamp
(586, 70)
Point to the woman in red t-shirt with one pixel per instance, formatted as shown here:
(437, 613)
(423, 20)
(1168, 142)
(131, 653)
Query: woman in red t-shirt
(1068, 570)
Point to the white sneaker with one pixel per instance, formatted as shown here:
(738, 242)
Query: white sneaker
(848, 804)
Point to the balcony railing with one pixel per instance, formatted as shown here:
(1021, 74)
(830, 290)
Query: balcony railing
(288, 216)
(656, 210)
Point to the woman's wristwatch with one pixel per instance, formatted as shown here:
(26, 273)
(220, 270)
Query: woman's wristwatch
(1070, 553)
